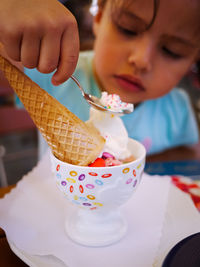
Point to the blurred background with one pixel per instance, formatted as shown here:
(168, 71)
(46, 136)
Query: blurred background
(18, 135)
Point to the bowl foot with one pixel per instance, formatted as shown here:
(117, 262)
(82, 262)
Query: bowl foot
(95, 228)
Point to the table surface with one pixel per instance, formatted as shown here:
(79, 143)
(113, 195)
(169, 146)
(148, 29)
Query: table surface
(9, 259)
(178, 153)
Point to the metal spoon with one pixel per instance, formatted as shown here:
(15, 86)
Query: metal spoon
(95, 101)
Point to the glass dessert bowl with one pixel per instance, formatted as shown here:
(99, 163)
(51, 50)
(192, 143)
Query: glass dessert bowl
(97, 194)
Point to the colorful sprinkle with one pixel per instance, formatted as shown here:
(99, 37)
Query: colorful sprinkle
(71, 180)
(99, 182)
(113, 101)
(93, 208)
(71, 189)
(63, 183)
(81, 188)
(126, 170)
(139, 166)
(129, 181)
(90, 186)
(91, 197)
(75, 197)
(134, 173)
(87, 204)
(81, 177)
(106, 175)
(73, 173)
(93, 173)
(58, 168)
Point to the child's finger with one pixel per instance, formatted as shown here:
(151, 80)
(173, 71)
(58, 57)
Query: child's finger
(30, 49)
(49, 52)
(69, 55)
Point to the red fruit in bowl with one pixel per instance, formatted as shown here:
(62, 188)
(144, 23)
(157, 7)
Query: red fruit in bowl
(99, 162)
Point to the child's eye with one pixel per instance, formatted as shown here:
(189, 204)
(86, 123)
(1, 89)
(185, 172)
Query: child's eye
(126, 31)
(170, 53)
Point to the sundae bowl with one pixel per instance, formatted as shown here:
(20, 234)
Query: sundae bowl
(96, 194)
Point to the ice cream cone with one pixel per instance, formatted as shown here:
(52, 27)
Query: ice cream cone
(70, 139)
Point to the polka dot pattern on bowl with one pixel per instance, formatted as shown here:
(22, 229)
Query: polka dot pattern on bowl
(82, 188)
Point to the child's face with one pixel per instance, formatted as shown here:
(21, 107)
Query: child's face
(140, 65)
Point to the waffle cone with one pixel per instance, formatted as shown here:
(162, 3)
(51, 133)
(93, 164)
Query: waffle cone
(70, 139)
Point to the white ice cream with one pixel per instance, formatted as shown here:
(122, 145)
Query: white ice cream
(111, 126)
(114, 102)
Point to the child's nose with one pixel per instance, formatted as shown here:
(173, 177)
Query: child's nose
(141, 54)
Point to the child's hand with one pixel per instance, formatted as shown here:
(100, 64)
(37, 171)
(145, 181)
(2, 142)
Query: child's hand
(41, 34)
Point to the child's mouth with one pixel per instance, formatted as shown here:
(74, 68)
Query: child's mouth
(129, 83)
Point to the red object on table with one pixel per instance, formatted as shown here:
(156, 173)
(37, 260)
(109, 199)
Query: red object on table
(187, 188)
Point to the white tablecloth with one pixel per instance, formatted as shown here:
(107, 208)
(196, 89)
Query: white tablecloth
(158, 215)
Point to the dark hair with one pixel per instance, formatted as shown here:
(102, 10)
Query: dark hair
(80, 10)
(77, 8)
(101, 4)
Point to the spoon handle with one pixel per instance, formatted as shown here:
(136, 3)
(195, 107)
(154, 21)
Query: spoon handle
(77, 82)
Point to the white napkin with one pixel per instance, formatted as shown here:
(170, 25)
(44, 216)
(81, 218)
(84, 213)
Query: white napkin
(181, 220)
(33, 215)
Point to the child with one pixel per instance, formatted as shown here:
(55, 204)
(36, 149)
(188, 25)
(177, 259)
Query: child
(141, 52)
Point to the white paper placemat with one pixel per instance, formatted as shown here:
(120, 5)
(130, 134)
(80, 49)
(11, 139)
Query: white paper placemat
(158, 216)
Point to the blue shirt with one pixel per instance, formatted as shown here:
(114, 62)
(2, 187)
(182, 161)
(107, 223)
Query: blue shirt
(159, 124)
